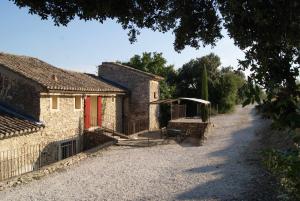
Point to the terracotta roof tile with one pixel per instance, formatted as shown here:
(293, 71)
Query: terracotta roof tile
(53, 78)
(12, 124)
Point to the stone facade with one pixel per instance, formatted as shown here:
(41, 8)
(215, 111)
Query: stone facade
(20, 93)
(154, 108)
(61, 125)
(143, 89)
(112, 112)
(65, 124)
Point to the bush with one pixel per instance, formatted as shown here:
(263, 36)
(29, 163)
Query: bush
(285, 165)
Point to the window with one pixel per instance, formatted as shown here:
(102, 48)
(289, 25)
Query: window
(113, 99)
(77, 102)
(68, 149)
(54, 102)
(155, 94)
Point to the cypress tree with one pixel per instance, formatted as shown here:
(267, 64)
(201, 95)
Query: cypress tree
(204, 95)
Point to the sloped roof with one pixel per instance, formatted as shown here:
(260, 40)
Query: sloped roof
(53, 78)
(152, 76)
(14, 124)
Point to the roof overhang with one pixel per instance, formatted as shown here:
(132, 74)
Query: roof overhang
(169, 101)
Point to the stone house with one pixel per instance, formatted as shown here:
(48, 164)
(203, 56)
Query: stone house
(143, 88)
(50, 107)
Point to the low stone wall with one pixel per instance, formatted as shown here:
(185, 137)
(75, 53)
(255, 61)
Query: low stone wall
(58, 166)
(197, 130)
(93, 139)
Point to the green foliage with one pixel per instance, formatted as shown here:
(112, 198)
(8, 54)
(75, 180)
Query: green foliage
(284, 110)
(267, 32)
(227, 90)
(193, 22)
(224, 85)
(286, 166)
(189, 77)
(204, 95)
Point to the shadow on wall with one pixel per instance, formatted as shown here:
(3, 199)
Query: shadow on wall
(61, 149)
(32, 157)
(226, 179)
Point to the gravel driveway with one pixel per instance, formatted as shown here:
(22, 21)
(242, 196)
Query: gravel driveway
(216, 171)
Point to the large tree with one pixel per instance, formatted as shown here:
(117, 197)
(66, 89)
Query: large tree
(223, 83)
(267, 31)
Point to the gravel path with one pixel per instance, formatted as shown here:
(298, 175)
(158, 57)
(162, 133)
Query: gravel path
(216, 171)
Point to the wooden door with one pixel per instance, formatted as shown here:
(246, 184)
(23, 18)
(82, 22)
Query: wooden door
(99, 111)
(87, 112)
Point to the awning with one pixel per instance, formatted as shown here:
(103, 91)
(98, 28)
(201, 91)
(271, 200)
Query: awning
(205, 102)
(167, 101)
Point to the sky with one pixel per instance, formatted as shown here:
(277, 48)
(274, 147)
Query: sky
(82, 46)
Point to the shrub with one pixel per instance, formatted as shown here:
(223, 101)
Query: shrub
(285, 165)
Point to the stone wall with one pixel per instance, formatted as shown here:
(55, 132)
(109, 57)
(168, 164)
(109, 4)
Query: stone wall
(138, 85)
(197, 129)
(154, 108)
(61, 125)
(119, 114)
(112, 112)
(94, 139)
(19, 93)
(142, 89)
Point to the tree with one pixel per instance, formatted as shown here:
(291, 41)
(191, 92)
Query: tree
(192, 21)
(267, 31)
(189, 81)
(224, 84)
(204, 95)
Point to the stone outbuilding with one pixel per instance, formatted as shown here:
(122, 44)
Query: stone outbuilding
(49, 109)
(143, 89)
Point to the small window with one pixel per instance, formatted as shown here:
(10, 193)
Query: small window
(68, 149)
(77, 102)
(54, 104)
(112, 99)
(155, 95)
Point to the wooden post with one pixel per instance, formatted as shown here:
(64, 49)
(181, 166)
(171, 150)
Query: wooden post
(171, 111)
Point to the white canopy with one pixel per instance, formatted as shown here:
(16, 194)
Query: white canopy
(198, 100)
(205, 102)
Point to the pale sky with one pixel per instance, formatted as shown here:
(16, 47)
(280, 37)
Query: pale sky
(81, 46)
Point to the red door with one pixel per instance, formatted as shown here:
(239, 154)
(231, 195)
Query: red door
(87, 112)
(99, 111)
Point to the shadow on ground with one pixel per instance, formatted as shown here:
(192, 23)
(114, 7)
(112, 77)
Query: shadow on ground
(237, 175)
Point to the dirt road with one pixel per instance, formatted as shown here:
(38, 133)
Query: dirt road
(218, 170)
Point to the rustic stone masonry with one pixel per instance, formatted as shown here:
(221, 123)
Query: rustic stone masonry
(143, 87)
(154, 108)
(62, 125)
(60, 165)
(28, 85)
(19, 92)
(197, 129)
